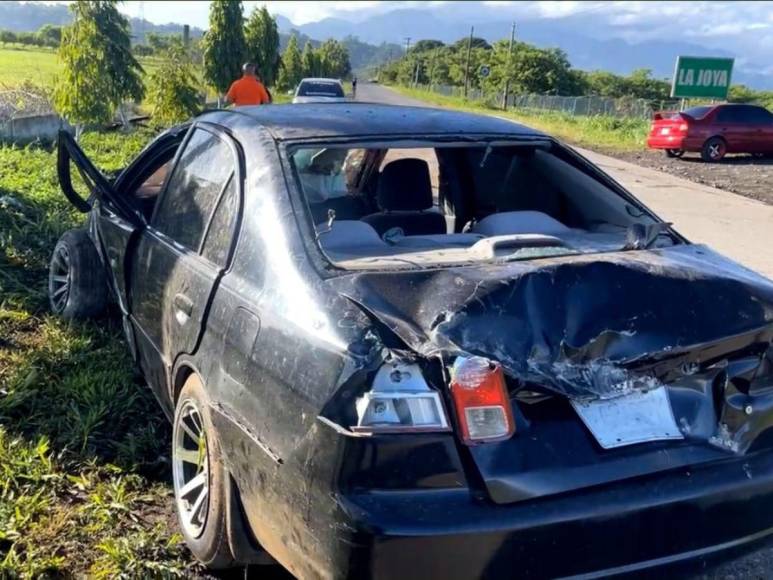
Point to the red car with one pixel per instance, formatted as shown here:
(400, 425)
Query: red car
(713, 131)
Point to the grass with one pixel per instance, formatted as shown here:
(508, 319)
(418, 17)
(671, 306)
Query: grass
(39, 66)
(598, 132)
(83, 445)
(19, 64)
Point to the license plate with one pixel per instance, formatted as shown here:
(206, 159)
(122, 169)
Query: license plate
(665, 131)
(634, 418)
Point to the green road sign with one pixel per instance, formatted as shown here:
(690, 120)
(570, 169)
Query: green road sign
(696, 76)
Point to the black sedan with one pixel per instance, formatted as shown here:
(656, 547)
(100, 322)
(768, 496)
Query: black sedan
(411, 343)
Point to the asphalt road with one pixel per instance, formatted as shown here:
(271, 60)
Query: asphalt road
(735, 226)
(738, 227)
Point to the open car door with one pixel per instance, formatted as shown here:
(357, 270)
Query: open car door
(115, 219)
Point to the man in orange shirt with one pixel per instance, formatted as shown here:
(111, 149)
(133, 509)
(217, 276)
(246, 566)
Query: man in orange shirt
(247, 90)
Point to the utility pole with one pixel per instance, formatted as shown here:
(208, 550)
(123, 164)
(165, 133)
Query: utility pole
(432, 69)
(407, 44)
(467, 64)
(509, 68)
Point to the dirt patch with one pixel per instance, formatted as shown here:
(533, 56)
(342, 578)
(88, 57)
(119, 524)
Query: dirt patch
(742, 174)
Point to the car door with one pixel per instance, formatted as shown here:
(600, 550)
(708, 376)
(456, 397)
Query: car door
(115, 219)
(172, 276)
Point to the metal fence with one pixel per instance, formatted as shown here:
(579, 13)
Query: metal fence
(626, 107)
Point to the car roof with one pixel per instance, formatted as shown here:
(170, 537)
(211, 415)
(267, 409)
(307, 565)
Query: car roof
(325, 120)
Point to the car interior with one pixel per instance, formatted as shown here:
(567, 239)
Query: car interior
(456, 203)
(146, 186)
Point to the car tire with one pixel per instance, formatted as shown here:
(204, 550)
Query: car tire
(203, 521)
(674, 153)
(714, 149)
(77, 285)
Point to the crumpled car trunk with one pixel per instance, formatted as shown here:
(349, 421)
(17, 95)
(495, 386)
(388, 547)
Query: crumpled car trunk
(576, 329)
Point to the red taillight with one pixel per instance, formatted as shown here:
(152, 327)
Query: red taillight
(683, 127)
(482, 404)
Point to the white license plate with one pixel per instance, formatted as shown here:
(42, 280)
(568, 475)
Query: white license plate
(633, 418)
(665, 131)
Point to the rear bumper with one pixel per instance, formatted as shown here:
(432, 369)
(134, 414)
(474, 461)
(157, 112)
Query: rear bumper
(673, 142)
(686, 517)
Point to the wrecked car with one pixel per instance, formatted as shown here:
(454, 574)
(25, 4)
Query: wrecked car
(405, 342)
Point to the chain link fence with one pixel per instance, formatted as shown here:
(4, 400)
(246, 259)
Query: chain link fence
(625, 107)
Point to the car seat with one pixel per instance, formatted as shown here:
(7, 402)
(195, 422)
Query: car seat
(404, 196)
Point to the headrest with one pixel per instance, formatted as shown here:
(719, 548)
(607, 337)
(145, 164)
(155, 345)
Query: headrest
(519, 222)
(404, 185)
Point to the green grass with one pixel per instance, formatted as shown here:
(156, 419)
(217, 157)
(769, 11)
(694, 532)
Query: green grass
(597, 132)
(83, 445)
(17, 64)
(39, 66)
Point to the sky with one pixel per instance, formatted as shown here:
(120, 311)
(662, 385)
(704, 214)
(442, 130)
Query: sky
(744, 27)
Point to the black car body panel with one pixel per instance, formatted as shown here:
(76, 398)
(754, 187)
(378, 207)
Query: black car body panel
(285, 343)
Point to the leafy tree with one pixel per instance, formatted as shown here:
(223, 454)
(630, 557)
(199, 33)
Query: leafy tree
(741, 94)
(50, 35)
(291, 70)
(425, 45)
(262, 40)
(310, 61)
(224, 46)
(7, 36)
(99, 70)
(334, 59)
(477, 42)
(159, 43)
(142, 50)
(172, 92)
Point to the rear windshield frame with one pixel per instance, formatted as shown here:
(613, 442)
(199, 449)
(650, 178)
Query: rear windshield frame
(336, 90)
(327, 267)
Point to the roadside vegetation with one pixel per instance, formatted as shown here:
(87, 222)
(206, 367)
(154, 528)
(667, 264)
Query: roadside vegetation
(83, 444)
(600, 132)
(530, 70)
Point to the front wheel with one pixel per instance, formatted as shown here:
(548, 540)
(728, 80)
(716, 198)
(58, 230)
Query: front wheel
(674, 153)
(714, 149)
(199, 478)
(77, 285)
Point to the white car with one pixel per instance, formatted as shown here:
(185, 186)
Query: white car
(315, 90)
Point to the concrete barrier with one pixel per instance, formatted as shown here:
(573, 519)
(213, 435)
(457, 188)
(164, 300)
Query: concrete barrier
(33, 128)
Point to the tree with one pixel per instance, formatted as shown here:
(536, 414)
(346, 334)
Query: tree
(262, 40)
(530, 69)
(99, 70)
(7, 36)
(159, 43)
(310, 61)
(334, 59)
(224, 46)
(50, 35)
(172, 92)
(462, 43)
(426, 45)
(291, 69)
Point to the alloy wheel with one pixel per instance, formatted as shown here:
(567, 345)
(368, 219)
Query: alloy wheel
(59, 279)
(190, 469)
(716, 150)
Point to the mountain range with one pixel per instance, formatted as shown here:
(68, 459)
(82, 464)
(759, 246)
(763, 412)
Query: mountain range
(589, 37)
(579, 35)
